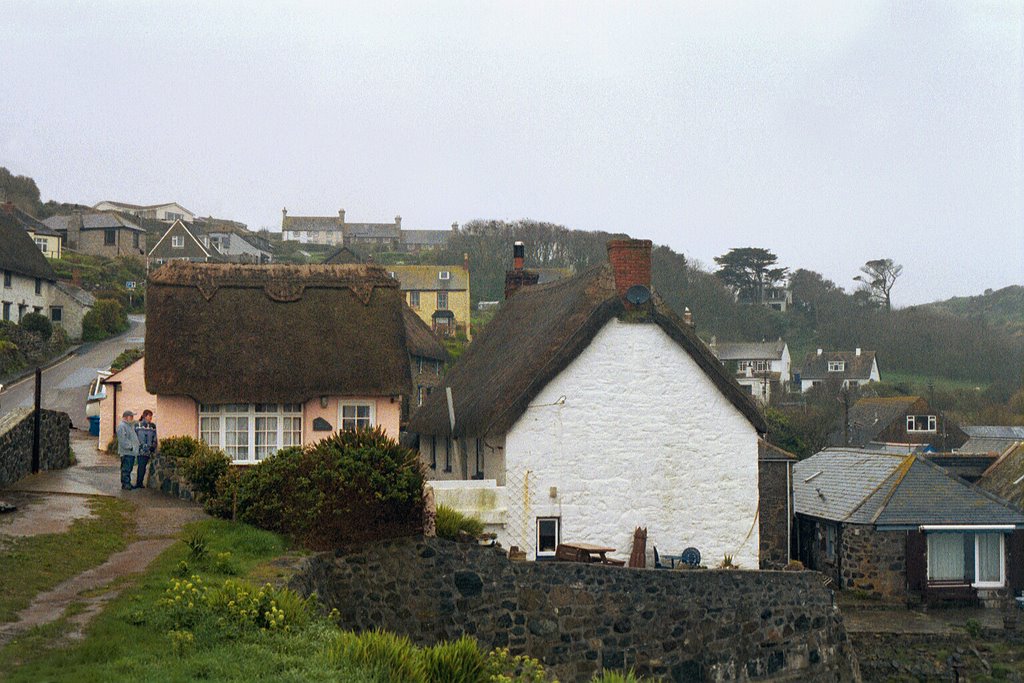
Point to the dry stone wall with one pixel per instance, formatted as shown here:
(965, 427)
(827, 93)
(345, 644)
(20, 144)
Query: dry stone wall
(693, 625)
(16, 430)
(874, 561)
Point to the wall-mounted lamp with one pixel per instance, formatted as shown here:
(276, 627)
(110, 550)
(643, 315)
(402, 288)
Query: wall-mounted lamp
(323, 401)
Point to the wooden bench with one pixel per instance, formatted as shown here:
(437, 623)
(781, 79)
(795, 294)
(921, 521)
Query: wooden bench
(584, 552)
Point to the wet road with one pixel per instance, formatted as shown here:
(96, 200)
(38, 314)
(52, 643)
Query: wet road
(66, 385)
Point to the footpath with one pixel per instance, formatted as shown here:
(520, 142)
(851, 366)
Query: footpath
(49, 502)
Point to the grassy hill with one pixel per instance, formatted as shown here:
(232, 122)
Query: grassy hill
(1000, 308)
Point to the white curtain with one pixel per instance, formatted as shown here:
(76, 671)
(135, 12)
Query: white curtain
(945, 557)
(989, 549)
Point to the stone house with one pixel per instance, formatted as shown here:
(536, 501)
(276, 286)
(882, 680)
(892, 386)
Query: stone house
(180, 243)
(897, 420)
(252, 358)
(100, 233)
(439, 295)
(46, 238)
(234, 242)
(168, 213)
(762, 368)
(68, 306)
(900, 528)
(840, 368)
(586, 408)
(427, 358)
(336, 230)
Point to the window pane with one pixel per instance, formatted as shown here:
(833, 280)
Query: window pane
(988, 558)
(265, 436)
(209, 430)
(946, 557)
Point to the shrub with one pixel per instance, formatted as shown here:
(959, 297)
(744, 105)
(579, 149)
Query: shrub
(179, 448)
(352, 487)
(222, 502)
(203, 468)
(105, 319)
(450, 522)
(458, 660)
(39, 324)
(126, 358)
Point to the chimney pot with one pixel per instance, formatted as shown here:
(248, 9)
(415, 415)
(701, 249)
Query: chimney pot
(517, 278)
(398, 221)
(631, 263)
(284, 212)
(518, 255)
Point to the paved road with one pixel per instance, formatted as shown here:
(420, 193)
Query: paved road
(66, 385)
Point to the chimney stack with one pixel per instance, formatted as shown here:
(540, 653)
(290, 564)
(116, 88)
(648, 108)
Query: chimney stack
(858, 350)
(688, 317)
(284, 212)
(517, 278)
(455, 226)
(398, 221)
(465, 261)
(341, 216)
(631, 263)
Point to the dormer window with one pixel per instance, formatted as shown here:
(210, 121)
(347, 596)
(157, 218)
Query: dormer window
(177, 241)
(921, 423)
(444, 275)
(837, 366)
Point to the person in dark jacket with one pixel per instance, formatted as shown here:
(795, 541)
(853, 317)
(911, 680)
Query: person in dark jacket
(145, 428)
(127, 448)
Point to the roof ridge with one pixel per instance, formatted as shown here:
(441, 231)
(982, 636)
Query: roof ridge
(974, 487)
(901, 472)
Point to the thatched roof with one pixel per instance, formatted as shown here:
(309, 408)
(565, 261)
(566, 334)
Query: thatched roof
(18, 253)
(533, 337)
(230, 333)
(857, 366)
(420, 339)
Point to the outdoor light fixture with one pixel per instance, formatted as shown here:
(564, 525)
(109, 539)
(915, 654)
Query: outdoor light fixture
(323, 401)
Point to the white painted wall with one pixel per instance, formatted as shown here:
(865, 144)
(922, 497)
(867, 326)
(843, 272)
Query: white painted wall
(23, 291)
(643, 438)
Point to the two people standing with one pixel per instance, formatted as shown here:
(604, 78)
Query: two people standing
(136, 442)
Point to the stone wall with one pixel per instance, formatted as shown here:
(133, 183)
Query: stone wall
(684, 625)
(163, 475)
(773, 513)
(16, 430)
(874, 561)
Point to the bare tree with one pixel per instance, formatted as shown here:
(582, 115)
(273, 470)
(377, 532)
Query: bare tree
(878, 279)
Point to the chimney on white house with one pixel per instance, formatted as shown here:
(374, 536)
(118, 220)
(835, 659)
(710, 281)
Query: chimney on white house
(517, 278)
(398, 221)
(631, 263)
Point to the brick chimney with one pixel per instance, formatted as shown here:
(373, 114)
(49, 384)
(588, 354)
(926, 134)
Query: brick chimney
(631, 263)
(465, 261)
(517, 278)
(284, 212)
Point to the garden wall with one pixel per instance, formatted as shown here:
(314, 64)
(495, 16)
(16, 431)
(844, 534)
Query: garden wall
(688, 625)
(16, 429)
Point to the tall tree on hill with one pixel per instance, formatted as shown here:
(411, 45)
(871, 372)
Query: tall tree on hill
(750, 271)
(878, 278)
(20, 190)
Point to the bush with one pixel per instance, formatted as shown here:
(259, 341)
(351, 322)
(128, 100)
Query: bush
(105, 319)
(38, 324)
(222, 502)
(203, 468)
(352, 487)
(125, 358)
(179, 447)
(450, 522)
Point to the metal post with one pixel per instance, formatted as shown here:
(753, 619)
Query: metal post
(36, 422)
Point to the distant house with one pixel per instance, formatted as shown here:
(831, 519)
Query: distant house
(100, 233)
(336, 230)
(343, 255)
(900, 527)
(776, 298)
(840, 368)
(1005, 477)
(179, 243)
(583, 414)
(236, 244)
(427, 357)
(68, 306)
(425, 240)
(168, 213)
(44, 237)
(762, 368)
(990, 438)
(898, 420)
(438, 294)
(252, 358)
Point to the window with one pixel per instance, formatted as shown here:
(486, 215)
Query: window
(177, 241)
(830, 542)
(414, 298)
(419, 395)
(442, 301)
(356, 416)
(135, 240)
(837, 366)
(248, 432)
(433, 452)
(109, 236)
(39, 286)
(444, 275)
(479, 459)
(921, 423)
(547, 536)
(978, 559)
(7, 310)
(448, 454)
(37, 309)
(42, 244)
(7, 278)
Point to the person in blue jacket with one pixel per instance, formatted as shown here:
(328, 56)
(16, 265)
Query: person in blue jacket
(145, 429)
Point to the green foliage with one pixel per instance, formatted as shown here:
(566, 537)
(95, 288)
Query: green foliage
(20, 190)
(203, 467)
(197, 544)
(973, 628)
(106, 318)
(391, 657)
(179, 448)
(353, 486)
(38, 324)
(126, 358)
(783, 433)
(450, 522)
(749, 272)
(617, 677)
(106, 277)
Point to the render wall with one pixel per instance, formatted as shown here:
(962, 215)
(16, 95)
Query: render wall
(72, 312)
(131, 395)
(642, 438)
(23, 291)
(92, 242)
(16, 433)
(578, 618)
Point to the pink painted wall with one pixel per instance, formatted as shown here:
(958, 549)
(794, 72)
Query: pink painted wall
(131, 395)
(176, 416)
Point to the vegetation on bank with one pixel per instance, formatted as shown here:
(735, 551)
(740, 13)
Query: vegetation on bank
(26, 345)
(451, 524)
(126, 358)
(106, 278)
(106, 319)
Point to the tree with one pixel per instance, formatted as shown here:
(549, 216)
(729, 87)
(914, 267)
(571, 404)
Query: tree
(878, 279)
(749, 272)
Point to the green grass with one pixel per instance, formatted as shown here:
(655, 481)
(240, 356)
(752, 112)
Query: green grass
(919, 383)
(34, 564)
(450, 522)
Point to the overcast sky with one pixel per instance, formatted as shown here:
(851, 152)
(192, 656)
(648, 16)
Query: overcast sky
(829, 133)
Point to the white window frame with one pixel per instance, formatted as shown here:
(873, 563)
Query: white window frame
(837, 366)
(177, 241)
(414, 298)
(558, 536)
(439, 306)
(284, 414)
(341, 412)
(43, 244)
(444, 275)
(932, 424)
(1002, 563)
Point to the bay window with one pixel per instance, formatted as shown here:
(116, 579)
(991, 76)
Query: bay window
(250, 432)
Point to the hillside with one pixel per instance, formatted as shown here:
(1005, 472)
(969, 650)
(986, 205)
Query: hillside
(1000, 308)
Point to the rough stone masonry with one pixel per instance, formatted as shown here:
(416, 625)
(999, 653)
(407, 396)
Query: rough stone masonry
(683, 625)
(16, 428)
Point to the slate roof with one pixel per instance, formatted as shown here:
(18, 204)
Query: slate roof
(319, 223)
(27, 221)
(96, 220)
(425, 278)
(870, 416)
(77, 293)
(430, 238)
(990, 438)
(372, 230)
(857, 367)
(343, 255)
(859, 487)
(533, 337)
(749, 350)
(18, 253)
(125, 205)
(769, 452)
(1005, 477)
